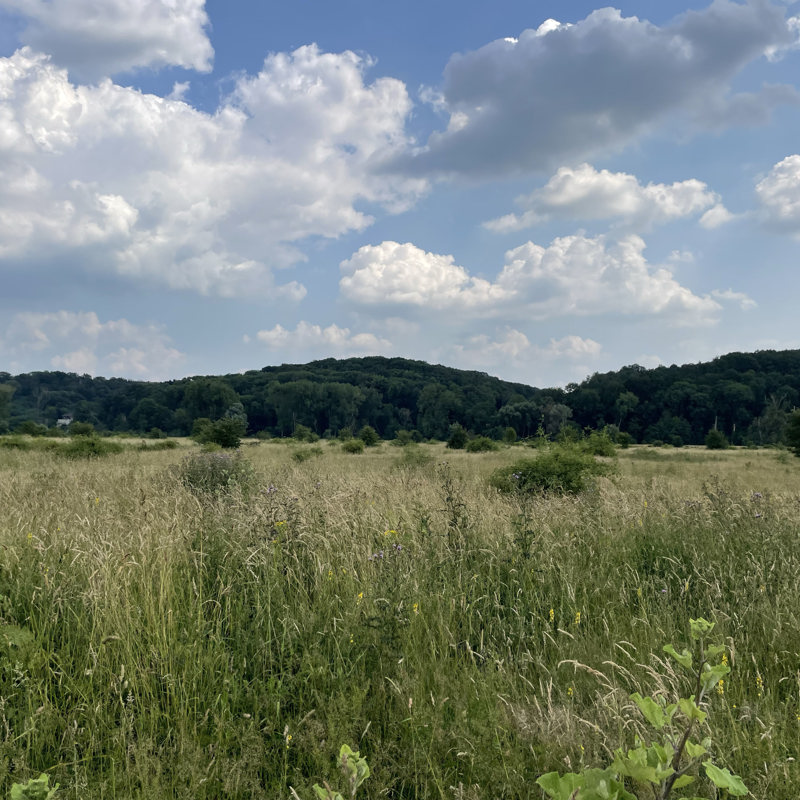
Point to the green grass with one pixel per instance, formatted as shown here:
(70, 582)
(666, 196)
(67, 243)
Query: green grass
(156, 646)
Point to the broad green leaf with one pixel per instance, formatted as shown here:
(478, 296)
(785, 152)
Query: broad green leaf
(695, 750)
(684, 658)
(560, 787)
(684, 780)
(691, 709)
(700, 628)
(723, 779)
(651, 710)
(713, 675)
(603, 784)
(713, 650)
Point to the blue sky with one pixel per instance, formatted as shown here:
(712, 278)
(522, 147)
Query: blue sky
(537, 190)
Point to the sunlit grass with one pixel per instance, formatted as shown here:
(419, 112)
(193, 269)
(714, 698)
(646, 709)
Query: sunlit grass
(200, 647)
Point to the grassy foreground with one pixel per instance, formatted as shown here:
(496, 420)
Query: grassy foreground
(154, 644)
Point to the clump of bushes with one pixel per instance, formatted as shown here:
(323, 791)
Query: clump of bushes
(306, 453)
(88, 447)
(226, 432)
(458, 437)
(353, 446)
(215, 473)
(481, 444)
(599, 443)
(369, 436)
(413, 456)
(716, 440)
(561, 469)
(162, 444)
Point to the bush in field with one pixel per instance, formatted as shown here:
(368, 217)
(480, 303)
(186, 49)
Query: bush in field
(509, 435)
(793, 433)
(481, 444)
(215, 473)
(716, 440)
(81, 429)
(458, 437)
(402, 438)
(88, 447)
(559, 469)
(353, 446)
(598, 443)
(369, 436)
(226, 432)
(302, 433)
(305, 453)
(31, 428)
(624, 440)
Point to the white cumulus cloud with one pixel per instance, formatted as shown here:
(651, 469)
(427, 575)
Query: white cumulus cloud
(80, 342)
(564, 92)
(403, 274)
(574, 275)
(779, 196)
(105, 177)
(583, 192)
(309, 337)
(96, 39)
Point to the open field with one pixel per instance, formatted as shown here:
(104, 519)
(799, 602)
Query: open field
(160, 644)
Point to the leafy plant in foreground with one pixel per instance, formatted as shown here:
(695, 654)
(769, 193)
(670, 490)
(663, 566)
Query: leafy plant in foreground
(355, 771)
(668, 762)
(34, 789)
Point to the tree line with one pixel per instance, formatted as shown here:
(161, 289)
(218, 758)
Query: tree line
(746, 396)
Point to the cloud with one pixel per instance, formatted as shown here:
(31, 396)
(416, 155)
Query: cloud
(96, 39)
(403, 274)
(585, 193)
(512, 352)
(565, 92)
(107, 178)
(574, 275)
(307, 337)
(591, 276)
(745, 302)
(80, 342)
(779, 196)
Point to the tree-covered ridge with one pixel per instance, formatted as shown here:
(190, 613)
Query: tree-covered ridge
(745, 395)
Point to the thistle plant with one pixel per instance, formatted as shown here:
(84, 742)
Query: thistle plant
(670, 761)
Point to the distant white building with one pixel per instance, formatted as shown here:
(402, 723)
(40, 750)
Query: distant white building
(64, 422)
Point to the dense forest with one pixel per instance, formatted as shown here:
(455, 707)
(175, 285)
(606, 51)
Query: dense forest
(747, 396)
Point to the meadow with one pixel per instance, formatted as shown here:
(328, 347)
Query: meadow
(161, 640)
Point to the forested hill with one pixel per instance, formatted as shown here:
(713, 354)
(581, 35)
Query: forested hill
(746, 395)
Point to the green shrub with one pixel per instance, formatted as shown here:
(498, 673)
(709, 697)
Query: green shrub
(624, 440)
(402, 438)
(31, 428)
(302, 433)
(509, 435)
(458, 437)
(88, 447)
(716, 440)
(481, 444)
(560, 469)
(413, 456)
(306, 453)
(599, 444)
(162, 444)
(353, 446)
(215, 473)
(369, 436)
(14, 443)
(81, 429)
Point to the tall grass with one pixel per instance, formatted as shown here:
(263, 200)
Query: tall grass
(157, 644)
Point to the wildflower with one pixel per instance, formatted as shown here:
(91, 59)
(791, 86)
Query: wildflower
(577, 617)
(288, 740)
(639, 592)
(759, 685)
(330, 574)
(351, 639)
(359, 597)
(282, 524)
(96, 500)
(721, 687)
(552, 616)
(390, 532)
(570, 692)
(725, 658)
(415, 607)
(645, 503)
